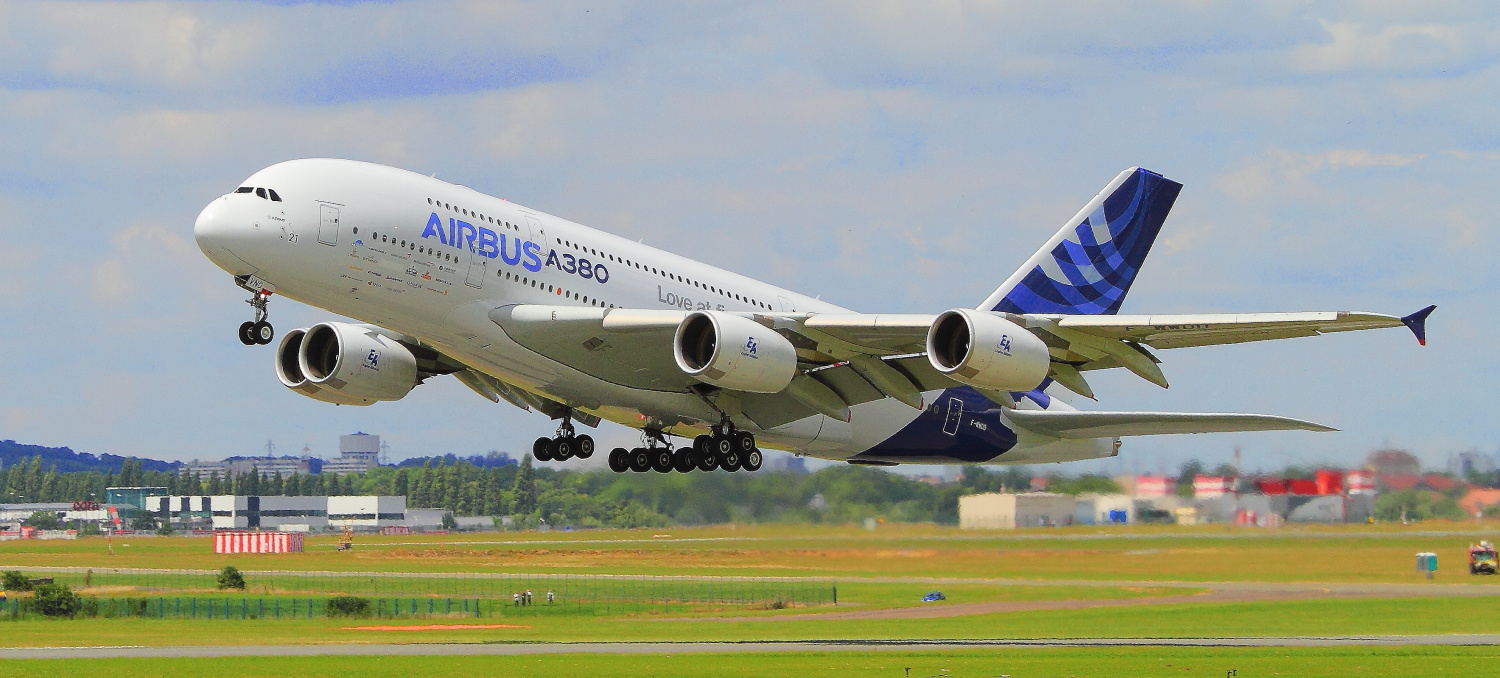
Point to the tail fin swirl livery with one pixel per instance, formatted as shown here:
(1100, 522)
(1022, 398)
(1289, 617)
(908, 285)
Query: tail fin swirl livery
(1088, 265)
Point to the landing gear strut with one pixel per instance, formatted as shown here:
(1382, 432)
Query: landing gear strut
(564, 444)
(257, 331)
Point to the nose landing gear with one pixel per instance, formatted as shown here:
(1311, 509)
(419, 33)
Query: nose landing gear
(257, 331)
(563, 445)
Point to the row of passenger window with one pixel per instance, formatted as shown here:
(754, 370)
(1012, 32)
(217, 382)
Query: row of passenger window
(605, 255)
(265, 193)
(566, 294)
(445, 256)
(474, 215)
(663, 273)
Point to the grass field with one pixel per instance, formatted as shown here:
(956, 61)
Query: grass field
(883, 570)
(1019, 663)
(1357, 553)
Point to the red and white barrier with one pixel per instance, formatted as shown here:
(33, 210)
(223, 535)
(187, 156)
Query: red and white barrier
(257, 542)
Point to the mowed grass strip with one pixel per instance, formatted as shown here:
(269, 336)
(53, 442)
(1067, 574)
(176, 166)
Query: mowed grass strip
(1020, 663)
(1360, 553)
(1321, 617)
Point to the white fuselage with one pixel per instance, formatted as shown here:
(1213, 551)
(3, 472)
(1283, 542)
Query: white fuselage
(429, 259)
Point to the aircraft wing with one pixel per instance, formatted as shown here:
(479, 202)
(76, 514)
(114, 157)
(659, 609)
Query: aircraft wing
(1114, 424)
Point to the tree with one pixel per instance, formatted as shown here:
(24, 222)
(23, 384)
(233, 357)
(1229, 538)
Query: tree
(14, 580)
(143, 522)
(525, 489)
(215, 486)
(230, 578)
(56, 600)
(44, 520)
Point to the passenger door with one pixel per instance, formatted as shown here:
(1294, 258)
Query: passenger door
(328, 225)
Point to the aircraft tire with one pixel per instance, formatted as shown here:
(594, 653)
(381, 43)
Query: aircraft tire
(744, 442)
(662, 460)
(619, 460)
(731, 461)
(707, 462)
(584, 447)
(703, 444)
(245, 337)
(262, 333)
(640, 460)
(753, 460)
(562, 448)
(539, 449)
(683, 460)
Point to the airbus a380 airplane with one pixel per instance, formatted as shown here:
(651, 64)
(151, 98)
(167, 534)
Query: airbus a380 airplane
(581, 325)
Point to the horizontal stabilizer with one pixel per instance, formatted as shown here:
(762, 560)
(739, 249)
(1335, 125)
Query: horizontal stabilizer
(1114, 424)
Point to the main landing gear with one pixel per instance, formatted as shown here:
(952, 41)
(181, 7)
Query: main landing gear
(257, 331)
(726, 449)
(563, 445)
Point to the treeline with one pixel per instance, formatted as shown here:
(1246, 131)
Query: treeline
(531, 495)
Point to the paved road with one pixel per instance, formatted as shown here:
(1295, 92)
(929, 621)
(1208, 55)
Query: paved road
(457, 649)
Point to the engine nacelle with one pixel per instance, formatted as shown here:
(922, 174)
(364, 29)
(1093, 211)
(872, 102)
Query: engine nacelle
(345, 364)
(733, 352)
(986, 351)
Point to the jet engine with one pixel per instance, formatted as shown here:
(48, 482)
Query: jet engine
(987, 351)
(345, 364)
(734, 352)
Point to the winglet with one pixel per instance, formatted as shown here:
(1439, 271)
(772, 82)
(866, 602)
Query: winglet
(1417, 323)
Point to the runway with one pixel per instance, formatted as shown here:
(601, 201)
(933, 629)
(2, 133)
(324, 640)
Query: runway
(480, 649)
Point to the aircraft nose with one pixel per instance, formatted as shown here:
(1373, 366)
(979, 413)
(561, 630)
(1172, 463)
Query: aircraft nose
(216, 232)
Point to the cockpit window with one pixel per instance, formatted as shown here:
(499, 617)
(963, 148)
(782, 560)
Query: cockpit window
(260, 192)
(275, 197)
(244, 189)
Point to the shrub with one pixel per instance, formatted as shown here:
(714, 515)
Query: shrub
(15, 581)
(56, 600)
(230, 578)
(348, 606)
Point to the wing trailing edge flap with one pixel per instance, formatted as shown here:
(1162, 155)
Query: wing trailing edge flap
(1057, 424)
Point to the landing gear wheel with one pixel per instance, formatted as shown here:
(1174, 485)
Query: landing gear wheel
(661, 460)
(640, 460)
(703, 444)
(753, 460)
(706, 462)
(744, 442)
(723, 445)
(730, 462)
(619, 460)
(262, 332)
(584, 447)
(540, 449)
(246, 337)
(562, 448)
(682, 460)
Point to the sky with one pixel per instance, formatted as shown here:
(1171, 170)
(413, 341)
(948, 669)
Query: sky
(887, 156)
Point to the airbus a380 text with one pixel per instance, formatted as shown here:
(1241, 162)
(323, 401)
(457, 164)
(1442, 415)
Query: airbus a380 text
(581, 325)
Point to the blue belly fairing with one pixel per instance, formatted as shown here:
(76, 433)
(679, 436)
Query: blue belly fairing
(959, 426)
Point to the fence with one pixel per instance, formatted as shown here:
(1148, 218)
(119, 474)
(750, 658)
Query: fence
(248, 608)
(599, 594)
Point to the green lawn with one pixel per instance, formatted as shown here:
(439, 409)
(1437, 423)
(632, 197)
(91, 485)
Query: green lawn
(1386, 616)
(1016, 663)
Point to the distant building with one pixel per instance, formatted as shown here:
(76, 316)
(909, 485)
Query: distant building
(228, 512)
(1464, 464)
(1155, 486)
(997, 511)
(1391, 462)
(1208, 487)
(358, 453)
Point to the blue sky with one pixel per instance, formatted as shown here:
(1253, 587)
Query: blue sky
(887, 156)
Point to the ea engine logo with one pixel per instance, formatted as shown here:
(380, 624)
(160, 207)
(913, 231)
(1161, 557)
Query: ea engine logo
(372, 361)
(749, 350)
(1003, 348)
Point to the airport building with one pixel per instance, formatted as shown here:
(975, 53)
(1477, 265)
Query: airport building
(293, 514)
(1005, 511)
